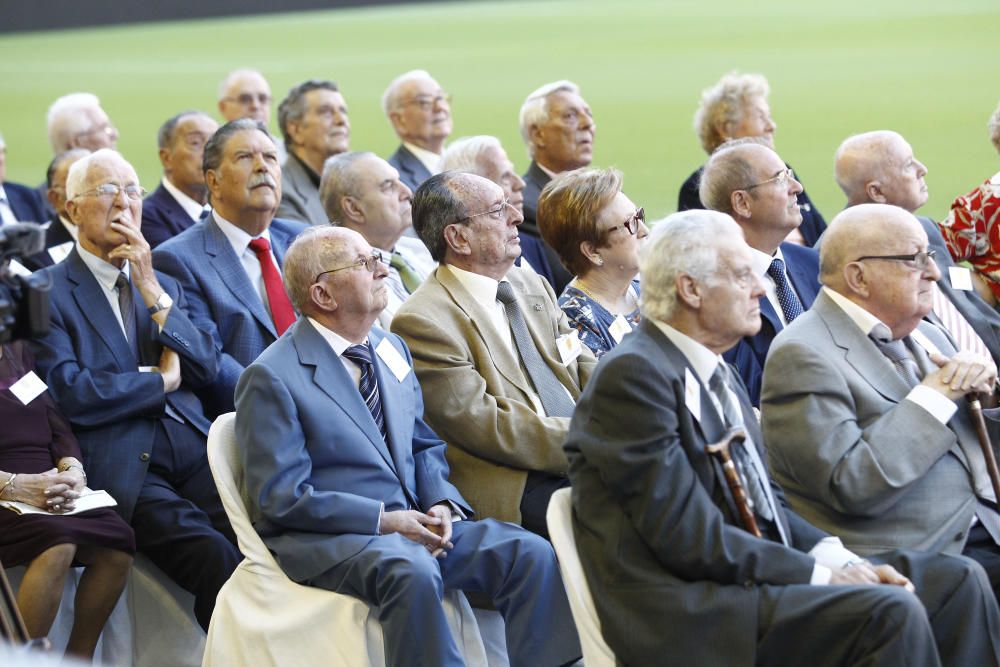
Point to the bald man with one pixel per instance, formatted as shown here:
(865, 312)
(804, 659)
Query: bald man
(863, 404)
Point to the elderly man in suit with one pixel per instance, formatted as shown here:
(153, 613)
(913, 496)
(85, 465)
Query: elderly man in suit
(558, 128)
(747, 180)
(77, 120)
(420, 113)
(60, 233)
(349, 487)
(314, 123)
(672, 567)
(121, 360)
(880, 168)
(182, 198)
(493, 351)
(230, 265)
(863, 406)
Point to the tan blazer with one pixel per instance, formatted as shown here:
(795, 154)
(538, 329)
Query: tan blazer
(476, 395)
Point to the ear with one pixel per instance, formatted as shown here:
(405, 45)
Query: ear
(294, 128)
(537, 135)
(165, 155)
(211, 182)
(322, 298)
(873, 189)
(689, 291)
(349, 205)
(856, 280)
(53, 198)
(739, 200)
(396, 120)
(588, 250)
(71, 210)
(457, 240)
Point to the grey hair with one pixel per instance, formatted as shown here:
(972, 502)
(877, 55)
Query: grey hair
(76, 178)
(224, 85)
(861, 159)
(65, 120)
(314, 251)
(165, 135)
(71, 154)
(293, 107)
(464, 154)
(535, 110)
(724, 103)
(684, 242)
(216, 146)
(435, 206)
(339, 180)
(727, 170)
(390, 98)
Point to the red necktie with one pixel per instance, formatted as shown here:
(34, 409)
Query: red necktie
(281, 308)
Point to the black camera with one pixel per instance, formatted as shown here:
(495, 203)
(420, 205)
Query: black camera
(24, 299)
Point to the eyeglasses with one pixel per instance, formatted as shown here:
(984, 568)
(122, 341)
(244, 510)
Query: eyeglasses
(781, 179)
(921, 260)
(631, 225)
(246, 99)
(112, 190)
(426, 102)
(496, 212)
(370, 263)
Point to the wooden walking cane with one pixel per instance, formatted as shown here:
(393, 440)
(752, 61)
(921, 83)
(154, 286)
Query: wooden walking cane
(984, 441)
(720, 450)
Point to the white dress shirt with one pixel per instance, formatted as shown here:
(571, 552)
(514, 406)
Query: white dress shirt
(430, 160)
(106, 275)
(240, 241)
(761, 263)
(190, 206)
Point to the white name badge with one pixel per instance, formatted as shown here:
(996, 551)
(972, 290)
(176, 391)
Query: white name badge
(28, 388)
(59, 252)
(960, 277)
(569, 347)
(393, 359)
(18, 269)
(619, 328)
(692, 394)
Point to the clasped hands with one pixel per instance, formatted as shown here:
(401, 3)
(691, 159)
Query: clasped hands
(432, 530)
(961, 374)
(51, 490)
(863, 572)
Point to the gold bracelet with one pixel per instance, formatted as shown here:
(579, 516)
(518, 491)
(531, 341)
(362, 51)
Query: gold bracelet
(9, 483)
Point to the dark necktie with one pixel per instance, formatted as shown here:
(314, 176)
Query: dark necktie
(791, 307)
(362, 356)
(552, 393)
(752, 477)
(896, 352)
(282, 312)
(411, 281)
(127, 310)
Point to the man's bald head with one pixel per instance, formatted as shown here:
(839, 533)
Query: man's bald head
(857, 231)
(879, 167)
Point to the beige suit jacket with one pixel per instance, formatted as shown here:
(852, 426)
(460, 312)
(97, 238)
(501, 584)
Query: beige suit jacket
(476, 395)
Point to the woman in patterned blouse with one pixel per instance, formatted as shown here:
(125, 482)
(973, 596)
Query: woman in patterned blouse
(597, 231)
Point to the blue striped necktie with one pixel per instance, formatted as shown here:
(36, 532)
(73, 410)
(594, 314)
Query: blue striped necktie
(362, 356)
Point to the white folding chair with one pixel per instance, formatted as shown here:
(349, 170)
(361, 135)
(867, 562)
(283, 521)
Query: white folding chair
(559, 517)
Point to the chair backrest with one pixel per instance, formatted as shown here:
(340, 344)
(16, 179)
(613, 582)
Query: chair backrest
(227, 469)
(559, 518)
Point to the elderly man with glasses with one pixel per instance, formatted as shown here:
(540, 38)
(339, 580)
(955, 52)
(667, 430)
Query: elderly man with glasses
(498, 362)
(245, 93)
(863, 405)
(420, 113)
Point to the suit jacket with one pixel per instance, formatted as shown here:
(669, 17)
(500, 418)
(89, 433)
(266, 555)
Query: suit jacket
(543, 259)
(26, 203)
(221, 299)
(854, 457)
(299, 195)
(653, 518)
(802, 267)
(163, 217)
(411, 170)
(317, 468)
(94, 377)
(478, 395)
(55, 235)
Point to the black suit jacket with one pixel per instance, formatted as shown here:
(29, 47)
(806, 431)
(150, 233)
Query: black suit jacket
(55, 234)
(548, 265)
(411, 170)
(652, 514)
(163, 217)
(26, 203)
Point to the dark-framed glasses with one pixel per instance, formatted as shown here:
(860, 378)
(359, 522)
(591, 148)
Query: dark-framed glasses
(371, 263)
(112, 190)
(631, 225)
(921, 260)
(781, 179)
(495, 212)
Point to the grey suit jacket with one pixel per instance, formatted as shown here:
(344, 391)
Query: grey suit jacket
(853, 456)
(477, 396)
(299, 196)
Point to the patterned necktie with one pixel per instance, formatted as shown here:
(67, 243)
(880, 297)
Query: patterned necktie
(552, 393)
(961, 331)
(791, 307)
(127, 310)
(411, 280)
(281, 308)
(362, 356)
(753, 480)
(896, 352)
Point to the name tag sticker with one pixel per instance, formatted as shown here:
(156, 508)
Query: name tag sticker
(619, 328)
(692, 394)
(59, 252)
(961, 278)
(28, 388)
(393, 359)
(569, 346)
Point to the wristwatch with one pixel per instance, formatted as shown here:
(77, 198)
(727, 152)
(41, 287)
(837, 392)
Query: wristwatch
(162, 303)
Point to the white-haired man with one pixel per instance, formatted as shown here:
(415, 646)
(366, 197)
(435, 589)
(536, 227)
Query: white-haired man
(78, 121)
(420, 113)
(245, 93)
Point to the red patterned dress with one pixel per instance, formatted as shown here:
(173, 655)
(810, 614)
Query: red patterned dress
(972, 231)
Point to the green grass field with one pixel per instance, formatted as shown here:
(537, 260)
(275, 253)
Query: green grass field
(926, 68)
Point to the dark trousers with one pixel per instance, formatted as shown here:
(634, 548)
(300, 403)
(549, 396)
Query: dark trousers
(405, 585)
(538, 490)
(179, 520)
(981, 548)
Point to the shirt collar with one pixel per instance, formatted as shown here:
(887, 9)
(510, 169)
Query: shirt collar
(430, 160)
(482, 288)
(702, 359)
(762, 261)
(190, 206)
(861, 317)
(74, 232)
(106, 274)
(337, 343)
(237, 237)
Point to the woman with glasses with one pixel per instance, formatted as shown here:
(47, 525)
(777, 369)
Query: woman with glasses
(597, 232)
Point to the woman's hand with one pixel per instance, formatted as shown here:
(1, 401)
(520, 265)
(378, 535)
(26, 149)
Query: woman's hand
(52, 490)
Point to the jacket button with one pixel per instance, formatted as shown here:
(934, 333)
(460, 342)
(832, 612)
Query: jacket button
(144, 457)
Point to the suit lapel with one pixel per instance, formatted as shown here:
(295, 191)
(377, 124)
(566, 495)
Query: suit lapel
(232, 275)
(93, 303)
(803, 283)
(395, 414)
(768, 313)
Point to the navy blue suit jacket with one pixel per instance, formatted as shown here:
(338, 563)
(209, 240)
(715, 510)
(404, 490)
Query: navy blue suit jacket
(802, 267)
(163, 217)
(542, 258)
(411, 170)
(317, 467)
(94, 377)
(221, 299)
(26, 203)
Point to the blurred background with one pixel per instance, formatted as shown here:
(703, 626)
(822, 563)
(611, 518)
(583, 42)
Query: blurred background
(924, 68)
